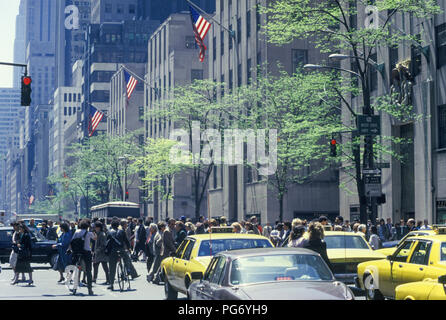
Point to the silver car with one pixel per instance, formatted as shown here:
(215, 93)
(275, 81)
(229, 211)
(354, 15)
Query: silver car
(268, 274)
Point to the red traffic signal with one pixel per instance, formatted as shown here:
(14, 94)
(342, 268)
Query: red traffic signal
(26, 81)
(333, 144)
(26, 91)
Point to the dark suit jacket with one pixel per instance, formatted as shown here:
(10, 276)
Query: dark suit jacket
(52, 233)
(168, 243)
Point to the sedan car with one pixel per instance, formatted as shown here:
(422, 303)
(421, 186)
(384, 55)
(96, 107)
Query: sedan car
(416, 259)
(429, 289)
(345, 251)
(42, 249)
(195, 253)
(268, 274)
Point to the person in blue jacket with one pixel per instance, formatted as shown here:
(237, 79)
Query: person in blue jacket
(62, 246)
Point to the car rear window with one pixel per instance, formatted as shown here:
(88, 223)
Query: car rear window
(212, 247)
(345, 242)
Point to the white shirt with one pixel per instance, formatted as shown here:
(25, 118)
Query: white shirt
(80, 233)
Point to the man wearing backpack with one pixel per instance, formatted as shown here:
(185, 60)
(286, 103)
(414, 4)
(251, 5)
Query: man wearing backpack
(80, 246)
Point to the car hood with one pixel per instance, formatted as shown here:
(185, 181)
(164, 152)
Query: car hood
(353, 255)
(296, 290)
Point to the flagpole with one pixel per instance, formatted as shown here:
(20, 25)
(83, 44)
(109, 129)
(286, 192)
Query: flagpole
(231, 32)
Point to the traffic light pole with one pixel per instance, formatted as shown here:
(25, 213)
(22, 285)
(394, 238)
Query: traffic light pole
(16, 65)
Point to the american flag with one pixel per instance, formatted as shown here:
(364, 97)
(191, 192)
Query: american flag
(201, 27)
(95, 117)
(131, 83)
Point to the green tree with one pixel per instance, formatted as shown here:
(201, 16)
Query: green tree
(158, 167)
(304, 111)
(335, 26)
(193, 109)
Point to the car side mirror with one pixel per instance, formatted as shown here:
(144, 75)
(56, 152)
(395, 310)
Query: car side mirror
(442, 279)
(196, 275)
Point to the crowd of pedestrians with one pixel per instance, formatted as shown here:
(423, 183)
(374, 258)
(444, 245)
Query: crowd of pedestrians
(143, 240)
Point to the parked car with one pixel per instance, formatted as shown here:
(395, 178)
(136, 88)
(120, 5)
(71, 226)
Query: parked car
(42, 251)
(268, 274)
(345, 251)
(195, 253)
(429, 289)
(416, 259)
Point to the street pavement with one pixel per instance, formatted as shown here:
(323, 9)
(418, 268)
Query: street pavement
(46, 287)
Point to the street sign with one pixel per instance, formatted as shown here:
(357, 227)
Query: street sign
(372, 182)
(383, 165)
(369, 125)
(371, 171)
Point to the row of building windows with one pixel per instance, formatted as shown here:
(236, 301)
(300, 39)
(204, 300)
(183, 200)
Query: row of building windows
(120, 8)
(69, 97)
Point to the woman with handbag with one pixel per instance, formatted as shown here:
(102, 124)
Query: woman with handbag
(24, 255)
(62, 245)
(15, 250)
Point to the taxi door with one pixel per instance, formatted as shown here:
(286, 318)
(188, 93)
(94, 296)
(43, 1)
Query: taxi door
(398, 263)
(175, 262)
(181, 265)
(415, 269)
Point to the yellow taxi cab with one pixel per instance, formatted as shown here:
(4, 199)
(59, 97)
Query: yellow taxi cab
(196, 251)
(429, 289)
(345, 251)
(394, 244)
(415, 259)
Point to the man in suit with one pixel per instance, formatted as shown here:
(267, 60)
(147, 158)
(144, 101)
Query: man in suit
(157, 244)
(181, 233)
(168, 245)
(168, 242)
(401, 230)
(52, 232)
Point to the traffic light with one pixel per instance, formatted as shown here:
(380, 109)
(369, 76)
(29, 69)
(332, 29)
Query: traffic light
(333, 145)
(26, 91)
(126, 195)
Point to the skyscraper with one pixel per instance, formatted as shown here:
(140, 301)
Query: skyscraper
(19, 44)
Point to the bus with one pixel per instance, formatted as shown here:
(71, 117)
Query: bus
(118, 209)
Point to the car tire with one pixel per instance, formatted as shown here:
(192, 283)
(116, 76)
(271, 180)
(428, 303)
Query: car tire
(169, 291)
(372, 294)
(53, 258)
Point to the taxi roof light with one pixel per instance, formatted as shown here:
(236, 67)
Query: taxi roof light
(439, 229)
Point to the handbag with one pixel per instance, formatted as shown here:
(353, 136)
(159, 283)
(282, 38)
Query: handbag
(13, 259)
(56, 263)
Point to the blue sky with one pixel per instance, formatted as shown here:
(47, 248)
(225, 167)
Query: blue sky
(8, 12)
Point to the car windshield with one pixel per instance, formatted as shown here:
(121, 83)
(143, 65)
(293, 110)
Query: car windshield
(345, 242)
(38, 235)
(286, 267)
(212, 247)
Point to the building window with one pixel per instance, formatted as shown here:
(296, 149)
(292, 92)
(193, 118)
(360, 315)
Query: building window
(214, 48)
(190, 42)
(108, 8)
(300, 58)
(440, 35)
(248, 70)
(196, 74)
(415, 60)
(248, 23)
(239, 75)
(120, 9)
(222, 42)
(239, 30)
(132, 9)
(442, 126)
(230, 38)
